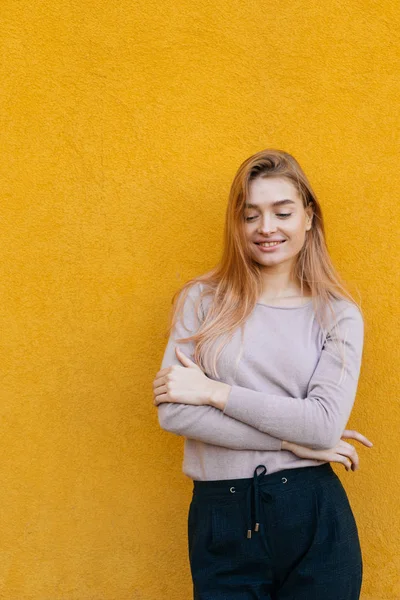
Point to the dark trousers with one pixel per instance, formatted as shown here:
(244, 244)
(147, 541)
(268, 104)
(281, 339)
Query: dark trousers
(290, 535)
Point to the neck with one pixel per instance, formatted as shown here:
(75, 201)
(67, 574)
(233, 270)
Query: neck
(280, 284)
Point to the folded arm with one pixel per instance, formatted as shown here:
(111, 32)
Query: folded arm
(206, 423)
(317, 421)
(210, 425)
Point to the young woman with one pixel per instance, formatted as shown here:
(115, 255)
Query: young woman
(262, 394)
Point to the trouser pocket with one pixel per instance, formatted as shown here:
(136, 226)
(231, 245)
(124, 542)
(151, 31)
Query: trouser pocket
(215, 526)
(227, 528)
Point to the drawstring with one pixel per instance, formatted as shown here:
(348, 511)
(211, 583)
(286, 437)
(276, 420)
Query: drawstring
(256, 487)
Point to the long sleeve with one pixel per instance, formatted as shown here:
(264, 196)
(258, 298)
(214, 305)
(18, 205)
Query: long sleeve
(205, 423)
(317, 421)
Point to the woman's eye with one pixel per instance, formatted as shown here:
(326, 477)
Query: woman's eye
(283, 215)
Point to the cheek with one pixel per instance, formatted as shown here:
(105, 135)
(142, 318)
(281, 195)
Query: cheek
(295, 231)
(249, 234)
(295, 239)
(249, 229)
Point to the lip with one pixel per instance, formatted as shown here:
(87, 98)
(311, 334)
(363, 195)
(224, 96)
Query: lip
(273, 240)
(271, 248)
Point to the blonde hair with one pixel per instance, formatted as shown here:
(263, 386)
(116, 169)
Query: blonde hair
(235, 284)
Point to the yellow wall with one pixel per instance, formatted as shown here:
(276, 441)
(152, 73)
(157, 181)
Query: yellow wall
(122, 126)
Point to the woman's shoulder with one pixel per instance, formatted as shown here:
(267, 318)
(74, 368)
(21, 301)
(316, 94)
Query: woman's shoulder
(197, 288)
(198, 296)
(346, 309)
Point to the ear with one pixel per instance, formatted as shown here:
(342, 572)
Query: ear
(309, 217)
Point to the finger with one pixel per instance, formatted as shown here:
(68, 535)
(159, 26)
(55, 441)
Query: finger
(351, 433)
(340, 458)
(347, 463)
(345, 445)
(162, 380)
(351, 454)
(157, 382)
(355, 461)
(161, 389)
(162, 372)
(355, 466)
(183, 358)
(160, 392)
(161, 398)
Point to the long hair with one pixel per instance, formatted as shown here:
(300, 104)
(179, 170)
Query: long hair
(235, 284)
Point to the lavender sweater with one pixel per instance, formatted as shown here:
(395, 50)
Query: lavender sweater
(286, 387)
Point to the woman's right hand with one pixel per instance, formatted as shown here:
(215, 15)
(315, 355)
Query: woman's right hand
(343, 452)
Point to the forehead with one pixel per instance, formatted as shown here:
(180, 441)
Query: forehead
(272, 191)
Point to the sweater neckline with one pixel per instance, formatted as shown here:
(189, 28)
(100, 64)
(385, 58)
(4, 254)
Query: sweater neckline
(285, 307)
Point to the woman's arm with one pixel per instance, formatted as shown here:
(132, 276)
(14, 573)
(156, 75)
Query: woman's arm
(206, 423)
(317, 421)
(210, 425)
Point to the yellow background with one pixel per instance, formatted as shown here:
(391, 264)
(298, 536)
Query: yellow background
(122, 126)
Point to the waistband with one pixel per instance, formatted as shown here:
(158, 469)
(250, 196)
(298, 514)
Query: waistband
(262, 485)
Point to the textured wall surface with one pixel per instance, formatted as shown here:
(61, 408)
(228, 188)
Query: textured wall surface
(122, 126)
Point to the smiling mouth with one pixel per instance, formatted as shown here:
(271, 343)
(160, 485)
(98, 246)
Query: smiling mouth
(269, 244)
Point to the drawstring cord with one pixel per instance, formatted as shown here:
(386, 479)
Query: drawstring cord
(257, 489)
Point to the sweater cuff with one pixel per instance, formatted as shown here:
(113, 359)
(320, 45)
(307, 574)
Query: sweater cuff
(241, 405)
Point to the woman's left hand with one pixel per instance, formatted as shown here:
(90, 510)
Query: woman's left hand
(187, 384)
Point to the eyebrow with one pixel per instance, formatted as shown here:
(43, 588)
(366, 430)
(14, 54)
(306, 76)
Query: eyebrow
(276, 203)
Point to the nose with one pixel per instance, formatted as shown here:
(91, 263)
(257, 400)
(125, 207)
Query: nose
(267, 225)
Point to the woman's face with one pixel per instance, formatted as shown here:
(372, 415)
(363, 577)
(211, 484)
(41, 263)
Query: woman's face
(275, 212)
